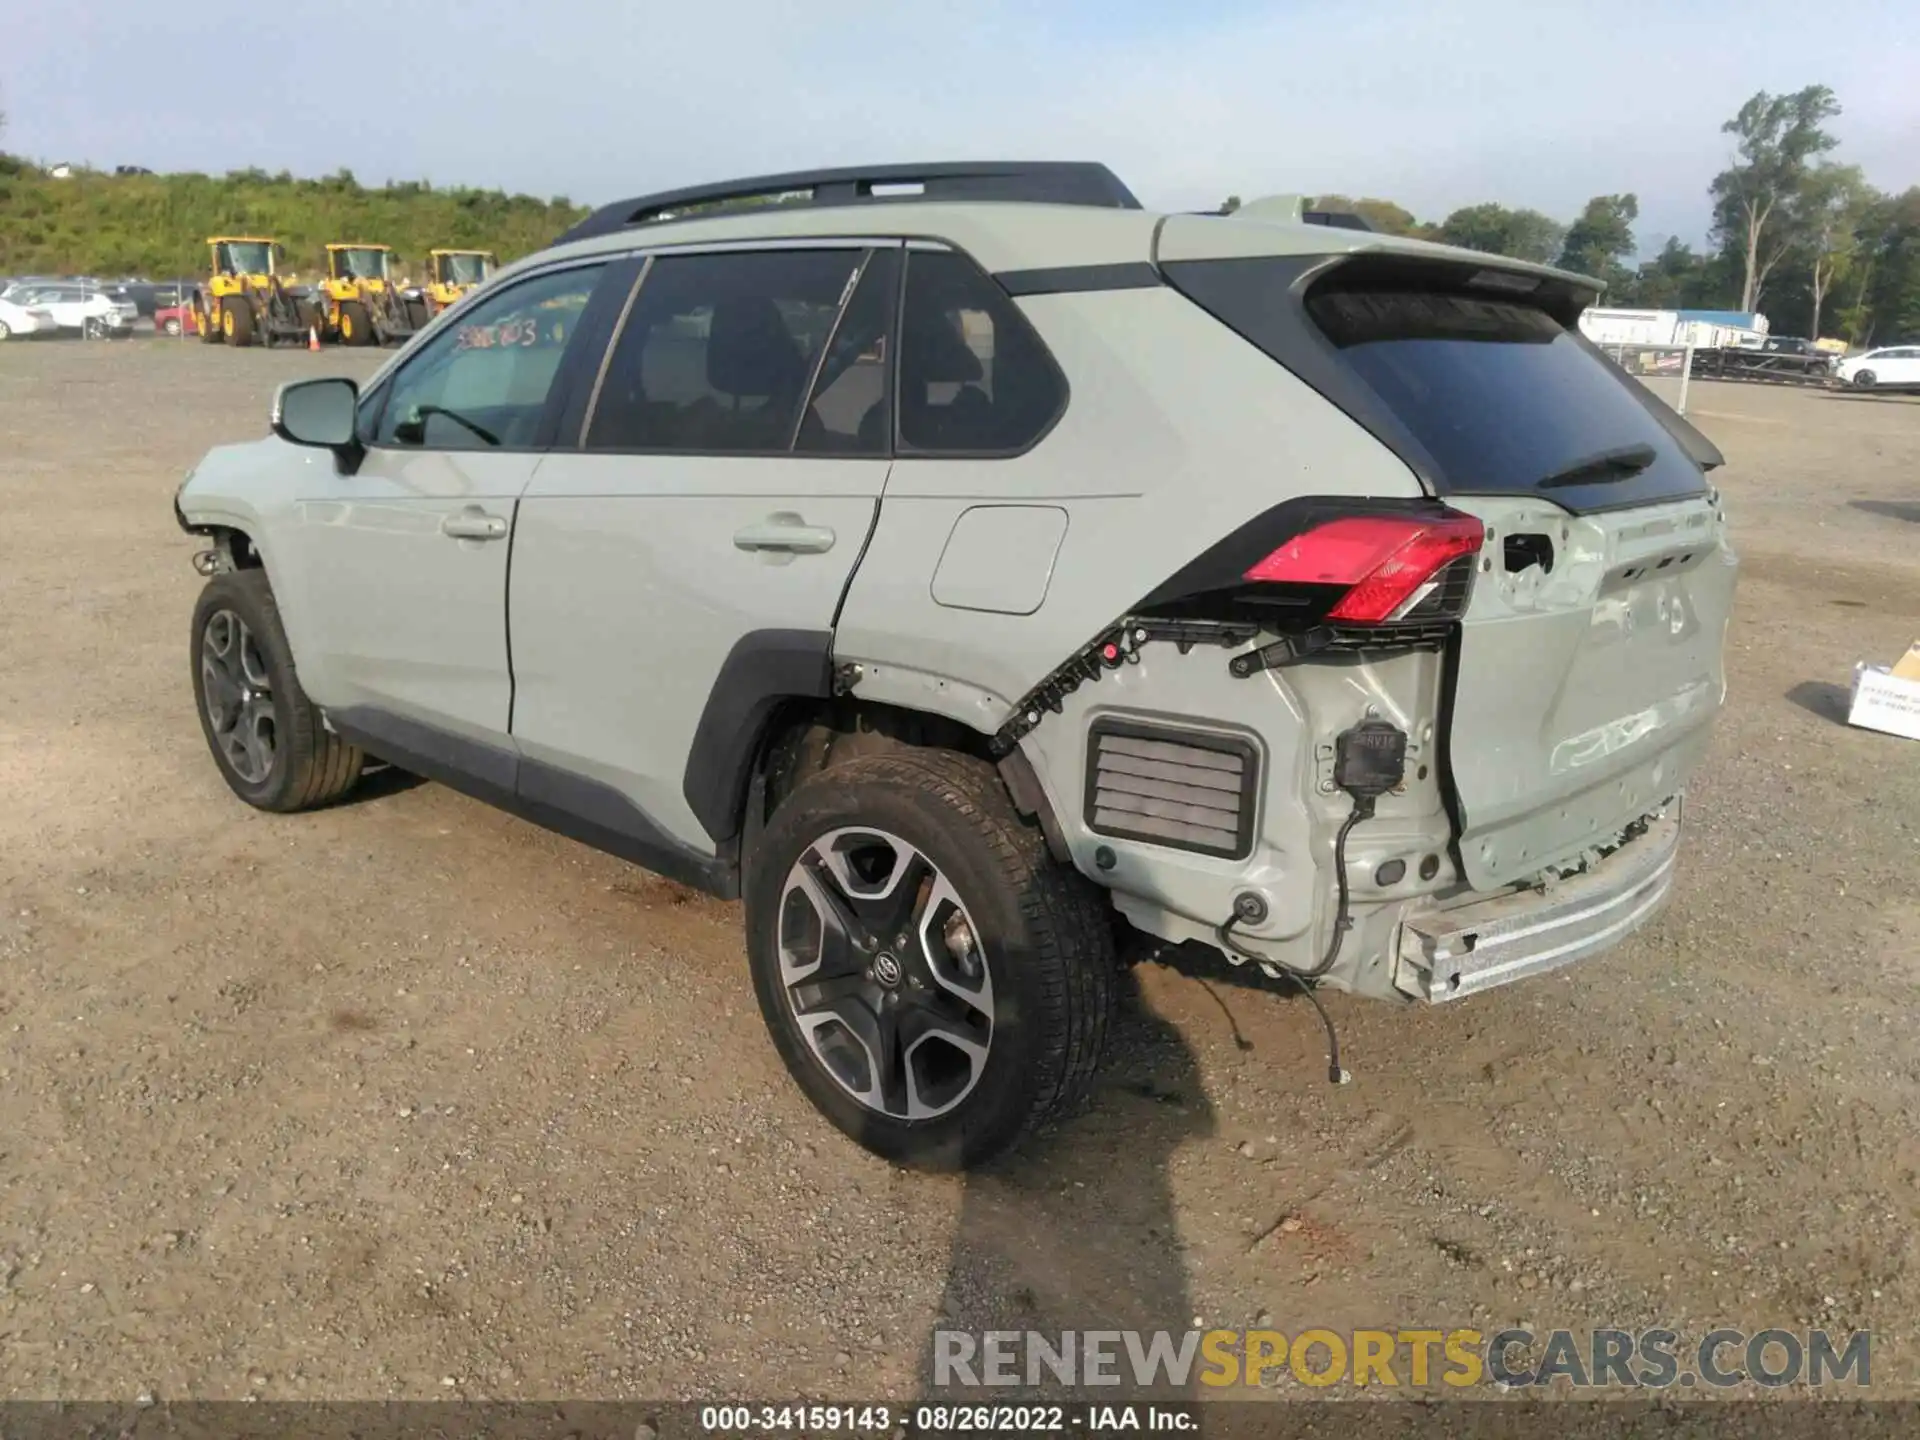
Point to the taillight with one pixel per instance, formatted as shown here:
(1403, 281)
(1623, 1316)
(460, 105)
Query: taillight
(1391, 566)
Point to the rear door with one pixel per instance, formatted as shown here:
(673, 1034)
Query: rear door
(1590, 655)
(729, 467)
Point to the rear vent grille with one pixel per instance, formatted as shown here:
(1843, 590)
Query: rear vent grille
(1177, 788)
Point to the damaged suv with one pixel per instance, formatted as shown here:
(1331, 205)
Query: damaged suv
(969, 569)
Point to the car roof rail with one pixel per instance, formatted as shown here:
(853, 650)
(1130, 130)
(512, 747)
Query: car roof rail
(1046, 182)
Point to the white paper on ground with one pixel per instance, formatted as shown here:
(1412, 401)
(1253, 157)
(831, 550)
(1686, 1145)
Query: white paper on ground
(1884, 701)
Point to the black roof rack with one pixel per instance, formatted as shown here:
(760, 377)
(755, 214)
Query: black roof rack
(1050, 182)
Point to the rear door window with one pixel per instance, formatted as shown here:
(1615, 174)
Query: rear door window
(719, 353)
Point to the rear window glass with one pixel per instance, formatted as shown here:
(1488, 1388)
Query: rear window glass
(1502, 396)
(1479, 392)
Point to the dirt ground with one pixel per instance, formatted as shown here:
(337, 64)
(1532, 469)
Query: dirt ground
(411, 1099)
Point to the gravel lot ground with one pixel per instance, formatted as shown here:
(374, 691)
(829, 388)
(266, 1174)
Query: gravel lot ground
(411, 1099)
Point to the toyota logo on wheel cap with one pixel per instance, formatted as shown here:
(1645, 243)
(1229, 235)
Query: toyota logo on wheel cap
(886, 970)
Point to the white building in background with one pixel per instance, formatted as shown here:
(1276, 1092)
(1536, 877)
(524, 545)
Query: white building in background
(1702, 329)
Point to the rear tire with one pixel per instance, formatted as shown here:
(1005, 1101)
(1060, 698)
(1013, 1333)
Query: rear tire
(1865, 379)
(356, 327)
(1006, 980)
(265, 734)
(6, 332)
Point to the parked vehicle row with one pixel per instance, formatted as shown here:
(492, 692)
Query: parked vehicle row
(42, 307)
(365, 296)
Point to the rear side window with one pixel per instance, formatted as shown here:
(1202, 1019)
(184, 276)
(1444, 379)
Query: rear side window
(1482, 393)
(719, 352)
(974, 378)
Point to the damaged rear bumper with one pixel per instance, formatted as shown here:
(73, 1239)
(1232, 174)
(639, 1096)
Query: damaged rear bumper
(1452, 953)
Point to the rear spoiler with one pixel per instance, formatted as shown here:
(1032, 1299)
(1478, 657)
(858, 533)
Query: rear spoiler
(1292, 210)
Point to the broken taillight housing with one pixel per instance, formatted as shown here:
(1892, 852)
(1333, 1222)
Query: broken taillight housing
(1390, 567)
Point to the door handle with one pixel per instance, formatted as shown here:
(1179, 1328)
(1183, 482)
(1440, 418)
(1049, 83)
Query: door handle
(474, 524)
(786, 532)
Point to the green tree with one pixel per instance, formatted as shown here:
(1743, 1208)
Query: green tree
(1675, 279)
(1886, 276)
(1523, 234)
(1599, 242)
(1828, 214)
(157, 224)
(1777, 138)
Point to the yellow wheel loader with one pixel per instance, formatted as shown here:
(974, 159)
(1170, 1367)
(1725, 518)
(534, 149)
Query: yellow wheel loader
(249, 297)
(364, 297)
(452, 273)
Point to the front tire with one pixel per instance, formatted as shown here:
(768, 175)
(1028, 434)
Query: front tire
(1865, 379)
(265, 734)
(236, 322)
(356, 327)
(935, 983)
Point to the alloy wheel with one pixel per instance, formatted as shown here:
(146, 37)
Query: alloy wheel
(239, 697)
(885, 974)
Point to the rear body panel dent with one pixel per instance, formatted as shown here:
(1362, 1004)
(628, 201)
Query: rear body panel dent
(1290, 717)
(1585, 693)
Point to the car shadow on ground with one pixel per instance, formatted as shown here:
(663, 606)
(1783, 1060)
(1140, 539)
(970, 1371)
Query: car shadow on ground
(1076, 1231)
(1907, 510)
(380, 780)
(1822, 698)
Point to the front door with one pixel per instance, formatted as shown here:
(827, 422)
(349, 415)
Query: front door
(402, 565)
(729, 473)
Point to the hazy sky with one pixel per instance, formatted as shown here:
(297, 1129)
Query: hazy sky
(1434, 104)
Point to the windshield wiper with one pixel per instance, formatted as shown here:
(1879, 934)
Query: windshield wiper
(1617, 464)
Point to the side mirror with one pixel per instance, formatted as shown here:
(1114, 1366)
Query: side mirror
(319, 413)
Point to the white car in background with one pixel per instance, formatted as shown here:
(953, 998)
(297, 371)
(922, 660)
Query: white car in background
(19, 319)
(1889, 365)
(76, 305)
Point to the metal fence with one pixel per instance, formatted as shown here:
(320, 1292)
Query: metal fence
(1663, 369)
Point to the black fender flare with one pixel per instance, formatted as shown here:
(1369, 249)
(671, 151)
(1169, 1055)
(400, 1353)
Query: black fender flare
(764, 669)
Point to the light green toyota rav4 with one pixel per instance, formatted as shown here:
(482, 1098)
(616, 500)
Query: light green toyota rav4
(971, 570)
